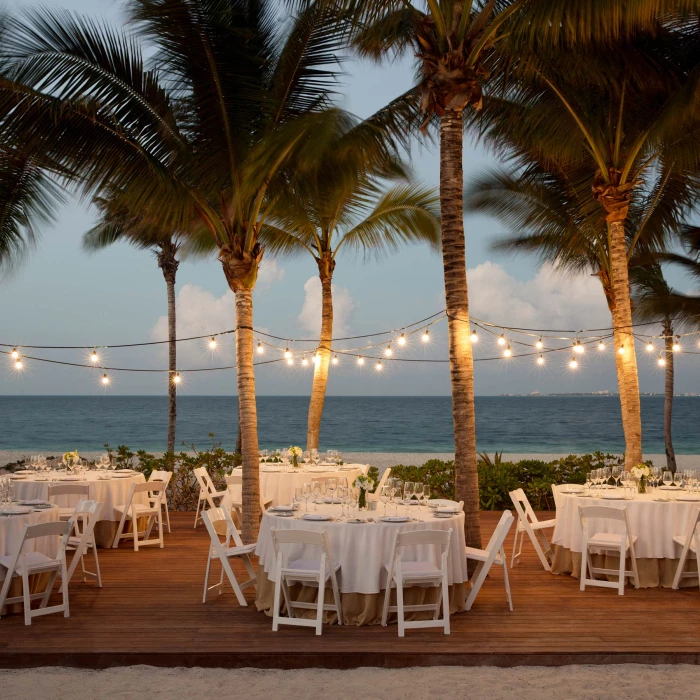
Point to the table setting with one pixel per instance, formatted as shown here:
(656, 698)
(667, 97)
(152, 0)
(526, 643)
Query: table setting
(658, 505)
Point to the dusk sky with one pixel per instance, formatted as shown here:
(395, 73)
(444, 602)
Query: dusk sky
(63, 296)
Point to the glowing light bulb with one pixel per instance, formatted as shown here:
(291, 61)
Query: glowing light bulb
(360, 360)
(650, 347)
(507, 352)
(317, 358)
(677, 344)
(290, 360)
(501, 339)
(475, 337)
(18, 362)
(661, 361)
(94, 357)
(601, 345)
(15, 354)
(177, 379)
(621, 350)
(580, 349)
(287, 354)
(388, 352)
(335, 359)
(426, 336)
(573, 364)
(212, 344)
(261, 349)
(402, 339)
(540, 360)
(539, 344)
(304, 361)
(105, 379)
(379, 366)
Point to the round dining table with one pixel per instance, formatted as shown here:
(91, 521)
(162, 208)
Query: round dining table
(279, 481)
(11, 533)
(654, 519)
(363, 551)
(111, 488)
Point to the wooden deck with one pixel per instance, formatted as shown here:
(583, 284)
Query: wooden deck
(150, 612)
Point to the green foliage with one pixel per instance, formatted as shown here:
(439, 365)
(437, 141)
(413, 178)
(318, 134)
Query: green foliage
(439, 475)
(373, 473)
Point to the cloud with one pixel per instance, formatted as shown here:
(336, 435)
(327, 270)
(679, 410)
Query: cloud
(269, 273)
(310, 316)
(548, 300)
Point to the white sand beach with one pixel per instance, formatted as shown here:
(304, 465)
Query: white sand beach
(637, 682)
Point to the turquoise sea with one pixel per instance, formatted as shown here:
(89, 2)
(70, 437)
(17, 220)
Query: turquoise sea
(368, 424)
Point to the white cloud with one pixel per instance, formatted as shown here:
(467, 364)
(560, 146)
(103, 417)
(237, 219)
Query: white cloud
(310, 316)
(269, 273)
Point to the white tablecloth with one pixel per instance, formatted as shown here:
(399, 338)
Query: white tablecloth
(654, 523)
(363, 549)
(12, 527)
(279, 485)
(108, 491)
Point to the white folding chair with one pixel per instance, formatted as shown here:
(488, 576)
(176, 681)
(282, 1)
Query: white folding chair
(382, 482)
(24, 564)
(131, 510)
(528, 523)
(310, 572)
(224, 552)
(82, 491)
(234, 498)
(495, 553)
(82, 539)
(419, 573)
(621, 542)
(689, 542)
(164, 476)
(208, 494)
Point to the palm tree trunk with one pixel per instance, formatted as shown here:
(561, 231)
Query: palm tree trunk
(457, 304)
(668, 398)
(169, 264)
(247, 414)
(322, 364)
(624, 338)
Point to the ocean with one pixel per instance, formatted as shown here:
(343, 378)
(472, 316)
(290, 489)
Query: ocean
(521, 424)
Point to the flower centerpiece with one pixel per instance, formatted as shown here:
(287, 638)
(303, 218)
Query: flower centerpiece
(364, 484)
(70, 459)
(641, 473)
(294, 453)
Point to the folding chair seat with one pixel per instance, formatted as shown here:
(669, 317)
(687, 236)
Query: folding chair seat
(80, 490)
(494, 553)
(528, 523)
(164, 476)
(311, 572)
(689, 543)
(24, 564)
(403, 573)
(82, 540)
(208, 495)
(132, 511)
(224, 552)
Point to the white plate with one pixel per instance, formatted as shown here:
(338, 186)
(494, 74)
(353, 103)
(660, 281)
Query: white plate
(35, 502)
(284, 514)
(571, 493)
(281, 509)
(395, 519)
(15, 511)
(612, 497)
(24, 471)
(18, 476)
(317, 517)
(410, 503)
(116, 475)
(669, 488)
(269, 470)
(691, 499)
(358, 521)
(447, 511)
(125, 471)
(443, 515)
(70, 478)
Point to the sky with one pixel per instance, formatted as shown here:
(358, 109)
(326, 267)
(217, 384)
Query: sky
(62, 295)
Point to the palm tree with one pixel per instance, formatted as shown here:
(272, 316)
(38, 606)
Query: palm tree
(117, 223)
(611, 139)
(343, 210)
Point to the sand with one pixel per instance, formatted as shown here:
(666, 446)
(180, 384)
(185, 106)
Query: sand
(636, 682)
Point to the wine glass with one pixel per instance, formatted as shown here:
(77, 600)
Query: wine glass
(385, 496)
(426, 494)
(418, 492)
(397, 493)
(306, 494)
(316, 491)
(331, 486)
(314, 456)
(298, 494)
(616, 475)
(667, 478)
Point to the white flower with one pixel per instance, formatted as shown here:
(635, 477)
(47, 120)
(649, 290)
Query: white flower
(70, 457)
(364, 483)
(641, 470)
(295, 451)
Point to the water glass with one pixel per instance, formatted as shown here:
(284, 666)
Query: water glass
(306, 494)
(331, 485)
(616, 475)
(426, 493)
(385, 496)
(316, 491)
(418, 491)
(667, 477)
(298, 495)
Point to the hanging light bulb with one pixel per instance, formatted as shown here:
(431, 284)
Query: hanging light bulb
(426, 336)
(335, 359)
(507, 352)
(18, 362)
(501, 339)
(601, 345)
(176, 378)
(212, 344)
(287, 354)
(402, 339)
(540, 360)
(650, 346)
(379, 366)
(290, 360)
(661, 360)
(360, 360)
(677, 344)
(105, 379)
(621, 350)
(94, 357)
(388, 352)
(15, 354)
(475, 337)
(304, 361)
(539, 344)
(580, 349)
(317, 358)
(261, 349)
(574, 363)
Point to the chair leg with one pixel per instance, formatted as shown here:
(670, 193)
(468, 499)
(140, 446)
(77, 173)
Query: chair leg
(399, 607)
(506, 580)
(98, 574)
(120, 530)
(160, 528)
(321, 601)
(226, 565)
(276, 600)
(5, 588)
(477, 581)
(445, 603)
(206, 576)
(584, 560)
(621, 576)
(385, 608)
(336, 598)
(515, 545)
(48, 590)
(64, 590)
(196, 517)
(27, 598)
(167, 516)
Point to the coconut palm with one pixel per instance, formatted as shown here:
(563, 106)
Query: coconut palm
(612, 139)
(340, 210)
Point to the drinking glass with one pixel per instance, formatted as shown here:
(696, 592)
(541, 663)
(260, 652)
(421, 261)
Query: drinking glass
(588, 483)
(316, 490)
(306, 494)
(342, 496)
(426, 493)
(298, 494)
(385, 496)
(331, 486)
(342, 481)
(314, 456)
(418, 492)
(616, 475)
(667, 477)
(408, 492)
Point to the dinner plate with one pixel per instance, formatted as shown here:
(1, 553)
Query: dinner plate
(24, 471)
(358, 521)
(70, 478)
(284, 514)
(612, 497)
(18, 476)
(669, 488)
(395, 519)
(15, 511)
(317, 516)
(36, 502)
(571, 493)
(447, 511)
(691, 499)
(125, 471)
(116, 475)
(281, 509)
(444, 515)
(270, 470)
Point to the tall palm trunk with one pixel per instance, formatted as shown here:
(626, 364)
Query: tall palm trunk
(247, 414)
(668, 398)
(624, 338)
(169, 264)
(318, 390)
(457, 304)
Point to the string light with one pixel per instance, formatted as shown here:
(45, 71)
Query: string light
(573, 364)
(287, 355)
(261, 349)
(601, 346)
(662, 360)
(94, 357)
(402, 339)
(388, 352)
(475, 337)
(379, 366)
(360, 360)
(15, 354)
(426, 336)
(540, 360)
(177, 379)
(539, 345)
(18, 362)
(290, 360)
(677, 344)
(501, 339)
(335, 359)
(580, 349)
(621, 350)
(105, 379)
(212, 344)
(650, 346)
(317, 358)
(507, 352)
(304, 361)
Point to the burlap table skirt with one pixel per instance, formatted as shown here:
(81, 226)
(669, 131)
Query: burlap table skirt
(37, 584)
(652, 572)
(358, 608)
